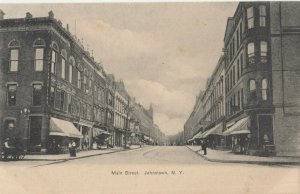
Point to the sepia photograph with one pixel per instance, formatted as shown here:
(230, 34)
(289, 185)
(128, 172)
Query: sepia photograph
(156, 97)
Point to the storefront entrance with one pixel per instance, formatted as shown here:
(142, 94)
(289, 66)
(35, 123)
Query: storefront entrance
(35, 133)
(265, 130)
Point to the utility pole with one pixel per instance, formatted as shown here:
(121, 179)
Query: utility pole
(127, 123)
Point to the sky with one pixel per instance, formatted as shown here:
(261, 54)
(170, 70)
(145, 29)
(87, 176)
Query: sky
(164, 52)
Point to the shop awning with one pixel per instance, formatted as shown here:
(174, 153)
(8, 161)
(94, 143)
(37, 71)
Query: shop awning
(59, 127)
(98, 132)
(238, 127)
(217, 130)
(244, 131)
(197, 136)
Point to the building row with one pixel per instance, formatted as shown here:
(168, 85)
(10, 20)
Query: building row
(251, 102)
(52, 90)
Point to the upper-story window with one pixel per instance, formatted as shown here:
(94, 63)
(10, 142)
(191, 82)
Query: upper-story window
(63, 63)
(250, 52)
(37, 95)
(252, 88)
(250, 17)
(14, 47)
(85, 86)
(262, 15)
(39, 45)
(54, 52)
(71, 65)
(78, 79)
(12, 94)
(263, 51)
(264, 89)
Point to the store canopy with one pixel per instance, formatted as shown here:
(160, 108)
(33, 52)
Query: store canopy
(59, 127)
(239, 127)
(244, 131)
(197, 136)
(98, 132)
(217, 130)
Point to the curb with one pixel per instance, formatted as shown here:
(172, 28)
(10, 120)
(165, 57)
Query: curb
(244, 162)
(79, 157)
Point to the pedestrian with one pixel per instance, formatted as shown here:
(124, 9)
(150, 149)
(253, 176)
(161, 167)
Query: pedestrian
(204, 147)
(73, 145)
(70, 148)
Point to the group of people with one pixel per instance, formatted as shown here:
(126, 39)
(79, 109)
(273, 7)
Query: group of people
(12, 146)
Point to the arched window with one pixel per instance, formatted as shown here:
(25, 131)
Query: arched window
(14, 49)
(71, 65)
(252, 88)
(39, 45)
(63, 63)
(55, 50)
(264, 89)
(251, 53)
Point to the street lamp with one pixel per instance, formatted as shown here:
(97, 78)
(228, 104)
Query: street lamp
(25, 112)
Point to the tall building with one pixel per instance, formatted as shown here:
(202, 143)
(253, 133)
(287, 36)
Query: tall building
(285, 46)
(48, 85)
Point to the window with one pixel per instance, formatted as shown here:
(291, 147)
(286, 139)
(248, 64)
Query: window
(242, 97)
(53, 62)
(250, 18)
(238, 69)
(52, 96)
(237, 39)
(262, 15)
(78, 79)
(14, 47)
(241, 31)
(39, 59)
(71, 65)
(263, 51)
(85, 88)
(63, 68)
(39, 54)
(62, 101)
(241, 63)
(233, 75)
(90, 86)
(14, 60)
(250, 52)
(252, 87)
(70, 73)
(57, 99)
(264, 89)
(69, 103)
(37, 95)
(63, 63)
(12, 94)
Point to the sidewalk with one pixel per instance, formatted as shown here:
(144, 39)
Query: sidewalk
(81, 154)
(229, 157)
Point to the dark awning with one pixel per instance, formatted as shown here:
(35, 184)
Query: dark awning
(59, 127)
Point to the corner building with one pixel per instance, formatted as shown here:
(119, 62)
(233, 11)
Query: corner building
(48, 85)
(248, 78)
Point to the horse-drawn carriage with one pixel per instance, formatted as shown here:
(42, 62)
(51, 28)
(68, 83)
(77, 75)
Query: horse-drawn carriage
(11, 150)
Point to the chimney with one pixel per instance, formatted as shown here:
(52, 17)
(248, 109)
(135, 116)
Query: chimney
(68, 27)
(28, 15)
(1, 15)
(51, 14)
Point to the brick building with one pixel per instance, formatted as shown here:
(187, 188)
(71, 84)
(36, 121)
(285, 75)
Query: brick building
(49, 83)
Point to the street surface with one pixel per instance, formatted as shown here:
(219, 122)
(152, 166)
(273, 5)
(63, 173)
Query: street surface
(147, 170)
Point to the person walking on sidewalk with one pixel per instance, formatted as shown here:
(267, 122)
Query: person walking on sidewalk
(72, 148)
(204, 147)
